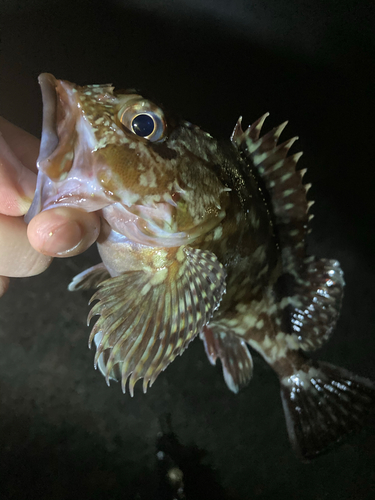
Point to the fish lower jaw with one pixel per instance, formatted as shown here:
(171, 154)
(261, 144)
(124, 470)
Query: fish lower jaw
(131, 233)
(133, 228)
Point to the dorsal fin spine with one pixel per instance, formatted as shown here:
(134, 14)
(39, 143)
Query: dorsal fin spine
(282, 181)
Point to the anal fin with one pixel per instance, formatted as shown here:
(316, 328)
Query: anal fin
(322, 404)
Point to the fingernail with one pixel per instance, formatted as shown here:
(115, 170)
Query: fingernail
(24, 203)
(63, 239)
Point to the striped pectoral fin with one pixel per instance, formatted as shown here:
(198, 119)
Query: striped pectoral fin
(90, 278)
(233, 353)
(310, 301)
(322, 404)
(149, 317)
(115, 373)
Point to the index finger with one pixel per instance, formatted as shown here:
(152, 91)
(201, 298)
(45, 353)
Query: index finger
(17, 183)
(24, 145)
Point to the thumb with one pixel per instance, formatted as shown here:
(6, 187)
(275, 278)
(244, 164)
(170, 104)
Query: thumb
(63, 232)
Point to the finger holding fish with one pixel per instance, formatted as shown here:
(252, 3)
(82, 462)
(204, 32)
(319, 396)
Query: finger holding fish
(17, 256)
(17, 181)
(26, 251)
(63, 231)
(24, 146)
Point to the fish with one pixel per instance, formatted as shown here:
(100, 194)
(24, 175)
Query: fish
(199, 238)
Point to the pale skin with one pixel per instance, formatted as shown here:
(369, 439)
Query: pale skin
(59, 232)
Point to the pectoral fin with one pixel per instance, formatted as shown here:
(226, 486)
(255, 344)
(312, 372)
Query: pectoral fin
(149, 317)
(90, 278)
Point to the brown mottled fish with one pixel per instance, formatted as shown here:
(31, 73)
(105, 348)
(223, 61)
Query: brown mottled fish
(198, 237)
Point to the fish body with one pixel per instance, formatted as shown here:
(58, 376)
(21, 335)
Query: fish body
(199, 238)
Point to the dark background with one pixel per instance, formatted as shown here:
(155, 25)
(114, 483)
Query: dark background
(63, 433)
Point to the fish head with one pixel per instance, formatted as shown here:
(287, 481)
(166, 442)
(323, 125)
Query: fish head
(152, 177)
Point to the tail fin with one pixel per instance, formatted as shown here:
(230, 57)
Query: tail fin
(323, 403)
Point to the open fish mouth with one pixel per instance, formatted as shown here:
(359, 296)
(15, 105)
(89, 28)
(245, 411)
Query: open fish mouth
(61, 151)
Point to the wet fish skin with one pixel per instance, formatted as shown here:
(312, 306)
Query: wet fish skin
(199, 237)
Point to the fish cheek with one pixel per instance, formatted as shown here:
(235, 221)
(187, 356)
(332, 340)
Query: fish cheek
(128, 169)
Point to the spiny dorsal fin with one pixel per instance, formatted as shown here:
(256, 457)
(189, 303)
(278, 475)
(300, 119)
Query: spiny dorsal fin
(282, 181)
(308, 291)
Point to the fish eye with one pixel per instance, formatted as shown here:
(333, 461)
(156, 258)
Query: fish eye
(144, 119)
(143, 125)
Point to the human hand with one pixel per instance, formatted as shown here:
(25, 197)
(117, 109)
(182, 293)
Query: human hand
(59, 232)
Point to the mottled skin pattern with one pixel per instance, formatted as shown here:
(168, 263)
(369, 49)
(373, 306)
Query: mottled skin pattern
(246, 244)
(198, 238)
(251, 255)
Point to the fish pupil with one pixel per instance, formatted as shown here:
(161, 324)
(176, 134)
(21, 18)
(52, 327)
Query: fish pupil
(143, 125)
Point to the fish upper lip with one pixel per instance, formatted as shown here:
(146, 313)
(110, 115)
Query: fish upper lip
(49, 140)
